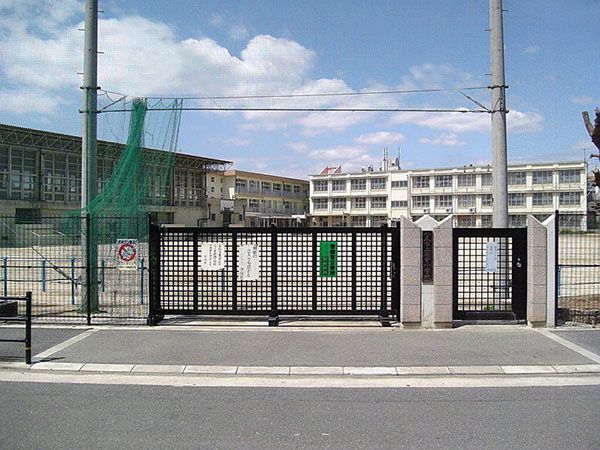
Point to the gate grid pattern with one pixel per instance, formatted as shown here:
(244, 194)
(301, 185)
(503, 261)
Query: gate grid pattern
(486, 287)
(289, 281)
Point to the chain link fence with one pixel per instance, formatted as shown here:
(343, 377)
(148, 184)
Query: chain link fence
(45, 255)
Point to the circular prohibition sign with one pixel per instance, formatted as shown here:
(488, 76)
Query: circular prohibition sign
(127, 252)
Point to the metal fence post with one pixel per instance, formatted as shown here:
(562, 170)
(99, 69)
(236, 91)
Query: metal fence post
(43, 274)
(141, 281)
(90, 267)
(153, 271)
(72, 280)
(556, 265)
(273, 313)
(5, 276)
(383, 313)
(102, 275)
(28, 309)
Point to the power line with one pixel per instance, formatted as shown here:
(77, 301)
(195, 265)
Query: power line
(215, 108)
(331, 94)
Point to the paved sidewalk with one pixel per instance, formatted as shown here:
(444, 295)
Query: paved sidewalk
(323, 351)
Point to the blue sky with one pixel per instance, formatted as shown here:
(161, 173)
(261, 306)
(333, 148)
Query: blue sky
(207, 48)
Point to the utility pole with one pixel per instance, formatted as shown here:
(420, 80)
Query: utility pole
(88, 155)
(499, 111)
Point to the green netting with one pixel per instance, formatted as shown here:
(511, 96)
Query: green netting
(142, 176)
(139, 183)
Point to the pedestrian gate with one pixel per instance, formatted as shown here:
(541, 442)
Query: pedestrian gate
(274, 271)
(490, 273)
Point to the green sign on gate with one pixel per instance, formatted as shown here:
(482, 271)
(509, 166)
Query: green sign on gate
(328, 259)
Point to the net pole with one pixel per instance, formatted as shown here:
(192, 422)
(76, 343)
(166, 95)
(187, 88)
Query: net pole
(89, 148)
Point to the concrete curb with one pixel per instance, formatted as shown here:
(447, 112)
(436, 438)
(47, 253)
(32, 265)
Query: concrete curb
(426, 371)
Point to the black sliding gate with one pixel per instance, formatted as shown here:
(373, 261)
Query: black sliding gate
(490, 273)
(274, 271)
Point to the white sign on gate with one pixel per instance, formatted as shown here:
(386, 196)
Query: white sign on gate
(248, 265)
(491, 252)
(212, 256)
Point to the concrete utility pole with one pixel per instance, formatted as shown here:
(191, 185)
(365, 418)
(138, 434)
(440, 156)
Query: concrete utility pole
(88, 155)
(499, 111)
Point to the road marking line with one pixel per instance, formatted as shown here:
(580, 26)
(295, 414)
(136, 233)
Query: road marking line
(297, 382)
(57, 348)
(571, 346)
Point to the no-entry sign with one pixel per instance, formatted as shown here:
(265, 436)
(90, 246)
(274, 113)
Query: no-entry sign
(127, 252)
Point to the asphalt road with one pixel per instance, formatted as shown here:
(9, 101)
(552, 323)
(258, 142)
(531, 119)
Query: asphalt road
(65, 416)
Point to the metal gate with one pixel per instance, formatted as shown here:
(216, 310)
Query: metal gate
(274, 271)
(490, 273)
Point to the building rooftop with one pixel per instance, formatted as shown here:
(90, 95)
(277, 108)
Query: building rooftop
(478, 168)
(15, 135)
(244, 173)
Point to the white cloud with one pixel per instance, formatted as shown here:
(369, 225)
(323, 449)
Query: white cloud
(352, 158)
(299, 147)
(449, 139)
(532, 49)
(380, 138)
(238, 32)
(238, 142)
(582, 99)
(437, 76)
(517, 121)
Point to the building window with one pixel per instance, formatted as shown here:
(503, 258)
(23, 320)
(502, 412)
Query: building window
(487, 200)
(276, 189)
(517, 178)
(359, 203)
(486, 221)
(516, 200)
(378, 202)
(443, 201)
(420, 201)
(320, 203)
(542, 177)
(486, 179)
(466, 201)
(265, 186)
(287, 189)
(466, 180)
(212, 179)
(569, 176)
(240, 185)
(399, 184)
(569, 198)
(338, 185)
(377, 221)
(421, 182)
(359, 184)
(320, 185)
(338, 203)
(570, 221)
(541, 217)
(443, 181)
(467, 221)
(378, 183)
(542, 199)
(399, 204)
(359, 221)
(253, 204)
(517, 221)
